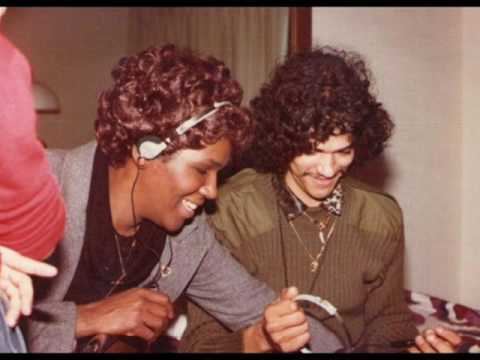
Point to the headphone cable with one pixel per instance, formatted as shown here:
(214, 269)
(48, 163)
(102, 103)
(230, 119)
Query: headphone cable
(164, 269)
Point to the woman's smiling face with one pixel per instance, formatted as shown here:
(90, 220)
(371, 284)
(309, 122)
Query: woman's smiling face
(172, 189)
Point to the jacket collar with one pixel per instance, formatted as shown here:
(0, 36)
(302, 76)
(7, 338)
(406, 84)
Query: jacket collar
(293, 207)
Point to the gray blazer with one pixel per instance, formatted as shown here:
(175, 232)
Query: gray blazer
(200, 267)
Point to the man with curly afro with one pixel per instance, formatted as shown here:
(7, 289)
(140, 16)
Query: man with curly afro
(296, 218)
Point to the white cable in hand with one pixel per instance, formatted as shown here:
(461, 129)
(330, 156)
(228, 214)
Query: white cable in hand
(317, 300)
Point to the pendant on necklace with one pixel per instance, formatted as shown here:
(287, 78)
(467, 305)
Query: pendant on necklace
(322, 225)
(321, 237)
(314, 266)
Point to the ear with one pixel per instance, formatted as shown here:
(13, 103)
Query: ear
(137, 159)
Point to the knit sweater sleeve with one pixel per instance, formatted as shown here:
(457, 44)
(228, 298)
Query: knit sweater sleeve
(205, 334)
(386, 313)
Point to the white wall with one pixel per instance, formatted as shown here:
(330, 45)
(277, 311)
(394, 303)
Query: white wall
(72, 50)
(422, 66)
(470, 268)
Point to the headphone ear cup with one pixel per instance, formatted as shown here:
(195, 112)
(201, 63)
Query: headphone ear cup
(150, 147)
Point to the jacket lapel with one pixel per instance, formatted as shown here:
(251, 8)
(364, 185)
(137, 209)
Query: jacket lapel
(74, 177)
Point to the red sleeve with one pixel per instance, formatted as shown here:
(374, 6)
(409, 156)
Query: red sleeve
(32, 215)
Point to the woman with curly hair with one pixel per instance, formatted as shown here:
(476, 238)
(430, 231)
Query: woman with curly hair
(298, 219)
(136, 239)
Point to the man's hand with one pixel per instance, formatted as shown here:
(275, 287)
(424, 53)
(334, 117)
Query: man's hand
(138, 312)
(284, 326)
(439, 340)
(15, 283)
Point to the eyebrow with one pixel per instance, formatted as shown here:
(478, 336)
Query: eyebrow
(337, 150)
(345, 147)
(213, 163)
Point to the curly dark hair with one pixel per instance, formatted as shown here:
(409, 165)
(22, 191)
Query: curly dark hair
(309, 97)
(159, 88)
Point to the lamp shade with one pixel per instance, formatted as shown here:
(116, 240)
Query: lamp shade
(45, 99)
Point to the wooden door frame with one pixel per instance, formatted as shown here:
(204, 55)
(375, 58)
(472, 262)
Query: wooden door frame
(299, 29)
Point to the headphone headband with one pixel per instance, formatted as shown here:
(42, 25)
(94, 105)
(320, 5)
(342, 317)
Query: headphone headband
(151, 146)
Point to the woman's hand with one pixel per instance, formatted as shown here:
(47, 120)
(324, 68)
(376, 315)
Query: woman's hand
(15, 283)
(138, 312)
(284, 326)
(439, 340)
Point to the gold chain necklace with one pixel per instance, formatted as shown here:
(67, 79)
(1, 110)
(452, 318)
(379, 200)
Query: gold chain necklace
(123, 268)
(323, 240)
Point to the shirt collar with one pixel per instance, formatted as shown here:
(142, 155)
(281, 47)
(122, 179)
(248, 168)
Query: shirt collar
(292, 206)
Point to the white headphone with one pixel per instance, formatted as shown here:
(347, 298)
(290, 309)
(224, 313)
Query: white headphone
(151, 146)
(325, 305)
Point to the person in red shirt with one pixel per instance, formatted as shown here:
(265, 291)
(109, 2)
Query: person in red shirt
(32, 214)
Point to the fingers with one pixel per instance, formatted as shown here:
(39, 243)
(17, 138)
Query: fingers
(162, 311)
(152, 321)
(12, 295)
(136, 312)
(157, 324)
(285, 322)
(289, 293)
(24, 286)
(16, 282)
(413, 350)
(275, 323)
(159, 313)
(155, 296)
(296, 343)
(451, 336)
(284, 305)
(143, 332)
(25, 264)
(439, 340)
(423, 345)
(160, 302)
(38, 268)
(292, 338)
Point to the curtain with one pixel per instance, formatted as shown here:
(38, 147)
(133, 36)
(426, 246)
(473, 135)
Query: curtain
(250, 40)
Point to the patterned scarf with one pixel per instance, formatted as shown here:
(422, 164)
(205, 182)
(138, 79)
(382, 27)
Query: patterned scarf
(293, 206)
